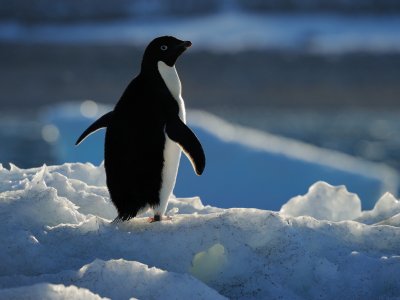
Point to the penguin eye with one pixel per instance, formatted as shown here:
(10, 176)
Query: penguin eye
(164, 47)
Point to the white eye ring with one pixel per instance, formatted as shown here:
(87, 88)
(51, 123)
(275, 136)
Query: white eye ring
(164, 47)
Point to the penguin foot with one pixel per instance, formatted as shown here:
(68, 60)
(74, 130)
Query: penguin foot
(158, 218)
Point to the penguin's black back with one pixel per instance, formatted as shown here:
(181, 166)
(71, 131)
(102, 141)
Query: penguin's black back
(134, 144)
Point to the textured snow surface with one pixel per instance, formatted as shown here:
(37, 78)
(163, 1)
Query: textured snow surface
(58, 242)
(46, 291)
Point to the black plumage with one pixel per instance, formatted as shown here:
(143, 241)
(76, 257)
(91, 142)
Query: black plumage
(136, 133)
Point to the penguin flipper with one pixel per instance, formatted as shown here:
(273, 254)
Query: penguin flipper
(181, 134)
(102, 122)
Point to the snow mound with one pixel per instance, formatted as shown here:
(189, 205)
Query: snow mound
(386, 207)
(45, 291)
(325, 202)
(60, 242)
(120, 279)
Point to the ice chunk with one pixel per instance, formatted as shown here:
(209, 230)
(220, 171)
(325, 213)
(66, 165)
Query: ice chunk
(324, 202)
(386, 207)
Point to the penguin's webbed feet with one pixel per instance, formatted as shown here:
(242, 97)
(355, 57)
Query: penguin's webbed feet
(158, 218)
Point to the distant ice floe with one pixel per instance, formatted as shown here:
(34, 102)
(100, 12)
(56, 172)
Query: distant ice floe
(58, 242)
(230, 31)
(265, 166)
(245, 167)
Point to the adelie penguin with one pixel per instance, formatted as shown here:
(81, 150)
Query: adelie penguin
(145, 134)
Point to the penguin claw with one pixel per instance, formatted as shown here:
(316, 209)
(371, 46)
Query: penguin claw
(158, 219)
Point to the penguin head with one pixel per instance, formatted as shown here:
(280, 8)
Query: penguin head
(166, 49)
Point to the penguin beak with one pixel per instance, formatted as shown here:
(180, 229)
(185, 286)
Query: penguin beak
(179, 49)
(186, 44)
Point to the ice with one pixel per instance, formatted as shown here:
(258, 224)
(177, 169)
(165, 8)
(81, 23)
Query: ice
(325, 202)
(386, 207)
(120, 279)
(57, 242)
(262, 170)
(45, 291)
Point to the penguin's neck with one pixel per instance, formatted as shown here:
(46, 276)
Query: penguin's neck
(171, 79)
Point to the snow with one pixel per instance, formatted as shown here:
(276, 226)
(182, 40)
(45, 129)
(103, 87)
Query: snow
(386, 208)
(59, 242)
(120, 279)
(325, 202)
(261, 170)
(45, 291)
(316, 33)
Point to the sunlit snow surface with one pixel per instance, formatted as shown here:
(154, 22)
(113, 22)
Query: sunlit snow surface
(58, 242)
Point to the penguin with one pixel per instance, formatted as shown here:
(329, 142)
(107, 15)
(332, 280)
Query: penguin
(146, 133)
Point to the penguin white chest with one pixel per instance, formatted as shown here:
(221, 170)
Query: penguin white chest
(173, 83)
(172, 151)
